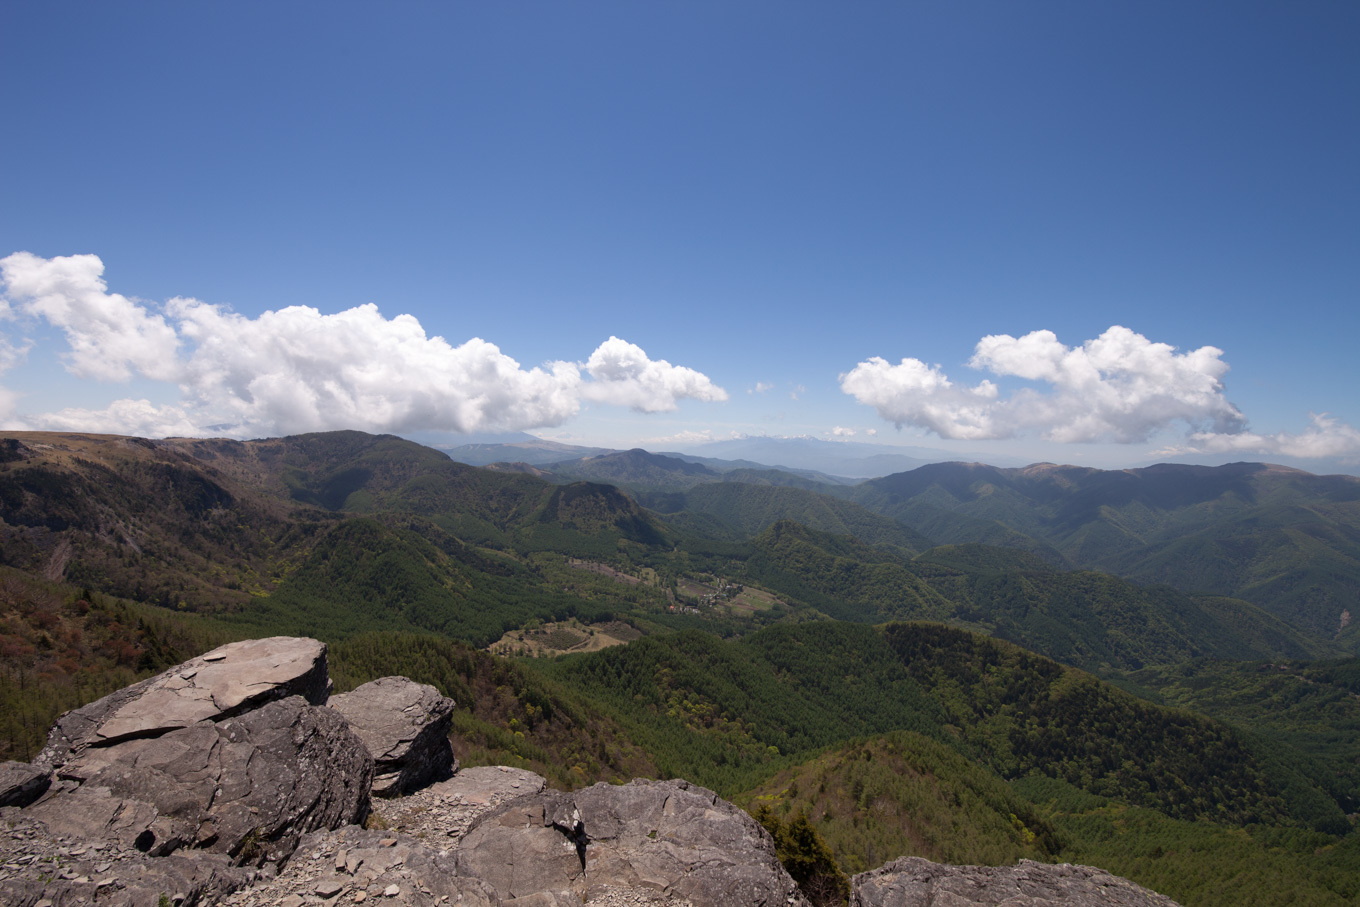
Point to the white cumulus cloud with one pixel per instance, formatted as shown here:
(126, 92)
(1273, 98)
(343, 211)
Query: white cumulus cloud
(624, 376)
(913, 393)
(297, 369)
(110, 336)
(1325, 437)
(1119, 386)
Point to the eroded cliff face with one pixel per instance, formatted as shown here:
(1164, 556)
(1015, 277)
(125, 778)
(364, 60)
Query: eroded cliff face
(230, 779)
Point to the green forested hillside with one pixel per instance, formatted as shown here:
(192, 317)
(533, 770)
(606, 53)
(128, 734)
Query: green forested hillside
(1199, 863)
(127, 517)
(1024, 714)
(637, 470)
(588, 520)
(1170, 799)
(1305, 716)
(1093, 620)
(1281, 538)
(364, 473)
(748, 509)
(903, 793)
(725, 713)
(244, 527)
(841, 576)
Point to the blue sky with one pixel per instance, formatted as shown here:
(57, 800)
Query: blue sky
(770, 205)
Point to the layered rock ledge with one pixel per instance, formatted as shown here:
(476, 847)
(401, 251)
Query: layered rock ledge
(227, 681)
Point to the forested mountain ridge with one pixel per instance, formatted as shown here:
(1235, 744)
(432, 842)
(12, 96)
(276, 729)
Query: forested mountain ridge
(143, 520)
(207, 524)
(259, 528)
(1089, 619)
(739, 508)
(636, 469)
(1282, 538)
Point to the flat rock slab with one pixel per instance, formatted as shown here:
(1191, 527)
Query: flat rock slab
(227, 681)
(248, 787)
(672, 838)
(915, 882)
(405, 725)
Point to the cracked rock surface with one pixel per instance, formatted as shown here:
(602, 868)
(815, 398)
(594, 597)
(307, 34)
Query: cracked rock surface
(248, 787)
(414, 860)
(355, 865)
(915, 882)
(673, 839)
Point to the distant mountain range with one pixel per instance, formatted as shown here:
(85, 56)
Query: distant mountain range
(1285, 539)
(851, 459)
(1282, 538)
(534, 451)
(844, 460)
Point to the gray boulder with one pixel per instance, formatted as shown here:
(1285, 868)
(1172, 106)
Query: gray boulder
(248, 787)
(21, 783)
(914, 882)
(227, 681)
(668, 837)
(405, 725)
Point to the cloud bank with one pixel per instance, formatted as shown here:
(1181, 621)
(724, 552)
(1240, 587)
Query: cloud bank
(297, 370)
(1325, 437)
(1119, 387)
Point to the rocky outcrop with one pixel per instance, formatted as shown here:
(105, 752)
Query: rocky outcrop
(226, 782)
(671, 837)
(448, 809)
(405, 725)
(914, 882)
(411, 860)
(358, 864)
(37, 866)
(248, 787)
(227, 681)
(179, 784)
